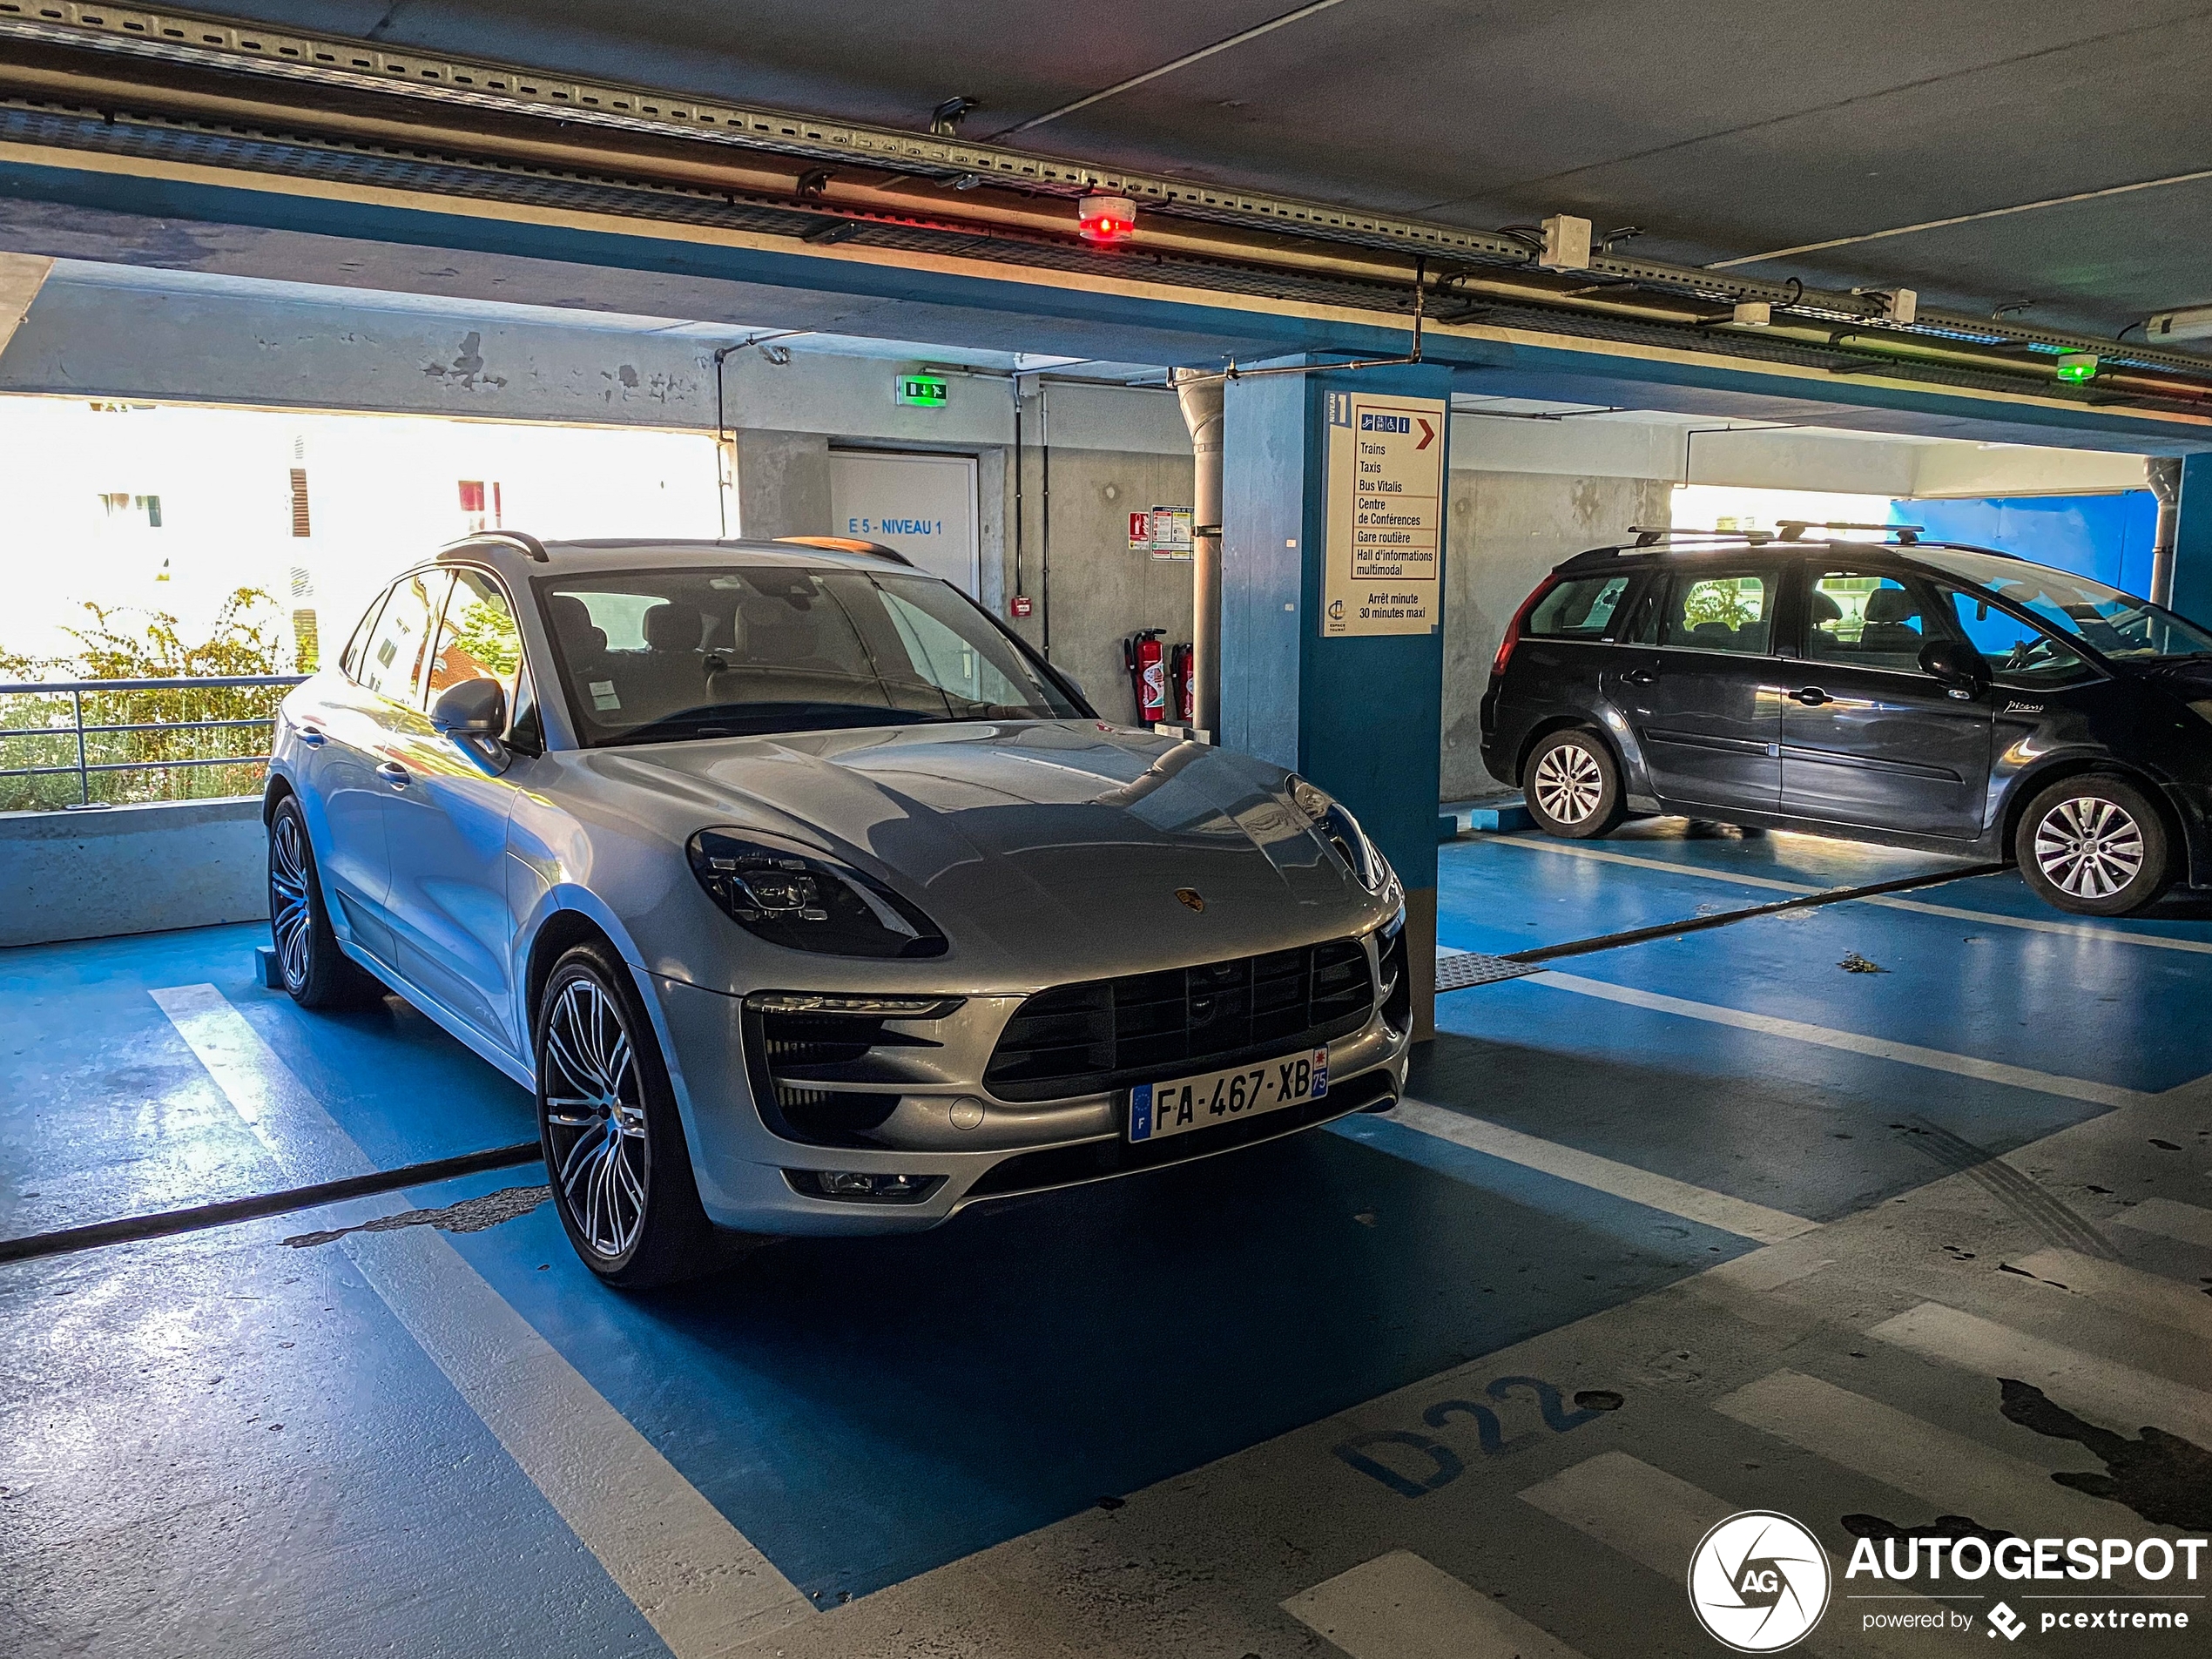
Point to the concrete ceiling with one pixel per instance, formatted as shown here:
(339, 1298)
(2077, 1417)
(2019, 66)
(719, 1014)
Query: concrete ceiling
(1725, 129)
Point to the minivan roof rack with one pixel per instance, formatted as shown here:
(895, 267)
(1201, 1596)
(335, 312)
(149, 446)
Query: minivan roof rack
(1788, 529)
(521, 540)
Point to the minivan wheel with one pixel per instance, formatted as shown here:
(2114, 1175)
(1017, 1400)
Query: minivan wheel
(2093, 844)
(1573, 785)
(317, 975)
(613, 1141)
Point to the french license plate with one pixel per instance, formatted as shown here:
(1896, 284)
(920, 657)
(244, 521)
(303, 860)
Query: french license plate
(1187, 1104)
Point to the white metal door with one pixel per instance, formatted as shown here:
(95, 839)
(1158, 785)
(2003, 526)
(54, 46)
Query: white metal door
(922, 505)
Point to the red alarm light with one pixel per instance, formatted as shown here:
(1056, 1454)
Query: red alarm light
(1106, 219)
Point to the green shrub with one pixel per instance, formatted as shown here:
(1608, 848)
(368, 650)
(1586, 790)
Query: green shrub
(246, 639)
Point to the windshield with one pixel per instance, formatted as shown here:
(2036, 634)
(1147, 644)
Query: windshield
(2117, 625)
(654, 656)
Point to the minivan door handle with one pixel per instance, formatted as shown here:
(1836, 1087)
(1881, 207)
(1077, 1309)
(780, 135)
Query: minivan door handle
(392, 773)
(1640, 677)
(1812, 696)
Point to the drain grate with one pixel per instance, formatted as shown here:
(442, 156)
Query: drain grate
(1458, 969)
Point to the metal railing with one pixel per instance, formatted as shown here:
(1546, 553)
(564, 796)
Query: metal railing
(147, 733)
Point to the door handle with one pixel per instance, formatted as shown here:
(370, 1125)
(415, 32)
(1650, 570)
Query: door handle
(1640, 677)
(313, 736)
(394, 773)
(1812, 696)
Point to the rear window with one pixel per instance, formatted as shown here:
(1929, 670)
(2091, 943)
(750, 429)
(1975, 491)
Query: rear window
(1579, 610)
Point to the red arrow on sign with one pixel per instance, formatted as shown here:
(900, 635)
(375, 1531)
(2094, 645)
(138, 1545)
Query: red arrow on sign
(1428, 434)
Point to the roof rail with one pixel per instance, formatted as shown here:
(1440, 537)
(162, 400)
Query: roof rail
(1793, 530)
(521, 540)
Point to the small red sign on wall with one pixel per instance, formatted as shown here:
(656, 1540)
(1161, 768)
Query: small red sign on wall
(1140, 531)
(1020, 604)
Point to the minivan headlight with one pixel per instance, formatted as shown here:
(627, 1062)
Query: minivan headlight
(805, 901)
(1341, 830)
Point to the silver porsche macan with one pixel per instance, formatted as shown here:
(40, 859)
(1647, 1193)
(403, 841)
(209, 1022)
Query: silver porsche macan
(806, 899)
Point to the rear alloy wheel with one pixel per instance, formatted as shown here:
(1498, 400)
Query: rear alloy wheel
(613, 1141)
(316, 973)
(1572, 785)
(2093, 844)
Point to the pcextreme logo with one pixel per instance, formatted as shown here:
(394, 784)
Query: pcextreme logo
(1758, 1582)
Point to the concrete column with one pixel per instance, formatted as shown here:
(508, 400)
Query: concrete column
(783, 484)
(1358, 715)
(2193, 541)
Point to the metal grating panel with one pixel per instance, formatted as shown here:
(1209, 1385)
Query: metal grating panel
(1458, 969)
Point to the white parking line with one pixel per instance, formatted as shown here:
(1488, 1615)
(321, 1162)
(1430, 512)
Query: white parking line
(1954, 1474)
(2169, 1218)
(1888, 902)
(1737, 1216)
(2150, 1297)
(1961, 1065)
(1657, 1520)
(2119, 1396)
(698, 1581)
(1399, 1607)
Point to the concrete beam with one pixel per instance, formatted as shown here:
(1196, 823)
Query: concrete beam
(22, 275)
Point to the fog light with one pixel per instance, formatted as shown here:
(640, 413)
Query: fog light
(861, 1183)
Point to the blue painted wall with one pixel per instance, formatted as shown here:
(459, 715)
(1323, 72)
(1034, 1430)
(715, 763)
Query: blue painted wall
(2107, 537)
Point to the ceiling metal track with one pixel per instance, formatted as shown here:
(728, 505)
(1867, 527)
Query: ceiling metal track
(200, 43)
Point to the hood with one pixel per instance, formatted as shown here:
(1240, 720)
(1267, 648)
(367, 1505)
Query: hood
(1056, 840)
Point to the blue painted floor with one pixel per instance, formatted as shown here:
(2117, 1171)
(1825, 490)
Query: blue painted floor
(865, 1411)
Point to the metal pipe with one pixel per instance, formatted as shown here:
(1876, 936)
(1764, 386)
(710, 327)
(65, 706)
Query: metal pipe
(2164, 474)
(1202, 397)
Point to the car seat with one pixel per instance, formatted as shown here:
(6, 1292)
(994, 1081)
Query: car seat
(1887, 625)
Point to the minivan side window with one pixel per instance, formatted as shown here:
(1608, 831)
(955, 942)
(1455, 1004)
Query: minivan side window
(1867, 621)
(2020, 654)
(1725, 610)
(1582, 609)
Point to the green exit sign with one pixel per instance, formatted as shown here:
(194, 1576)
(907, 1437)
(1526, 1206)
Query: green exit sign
(924, 391)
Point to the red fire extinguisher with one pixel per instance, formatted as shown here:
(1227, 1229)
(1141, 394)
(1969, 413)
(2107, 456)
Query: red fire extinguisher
(1182, 672)
(1142, 656)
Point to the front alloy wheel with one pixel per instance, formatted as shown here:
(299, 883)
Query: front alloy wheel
(2093, 844)
(613, 1141)
(595, 1119)
(1573, 786)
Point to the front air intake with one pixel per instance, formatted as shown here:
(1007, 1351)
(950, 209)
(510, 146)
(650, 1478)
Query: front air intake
(1083, 1039)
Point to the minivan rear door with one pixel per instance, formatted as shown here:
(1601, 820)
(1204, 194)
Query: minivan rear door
(1700, 685)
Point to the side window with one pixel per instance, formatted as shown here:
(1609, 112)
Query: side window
(364, 631)
(1579, 609)
(392, 662)
(1867, 621)
(1729, 610)
(2020, 654)
(477, 639)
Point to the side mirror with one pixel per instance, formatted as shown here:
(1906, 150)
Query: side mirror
(472, 709)
(1961, 667)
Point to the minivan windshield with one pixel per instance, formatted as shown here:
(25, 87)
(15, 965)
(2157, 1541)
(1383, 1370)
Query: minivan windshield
(2116, 624)
(741, 649)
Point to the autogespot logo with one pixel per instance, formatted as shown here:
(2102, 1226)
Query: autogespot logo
(1758, 1582)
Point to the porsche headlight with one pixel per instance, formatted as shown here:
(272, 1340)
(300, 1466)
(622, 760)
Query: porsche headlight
(805, 901)
(1341, 829)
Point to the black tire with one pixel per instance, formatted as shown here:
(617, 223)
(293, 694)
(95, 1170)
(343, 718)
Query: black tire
(316, 973)
(2095, 845)
(1572, 784)
(613, 1140)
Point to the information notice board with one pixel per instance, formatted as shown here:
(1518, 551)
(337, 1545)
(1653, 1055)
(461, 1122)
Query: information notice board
(1384, 549)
